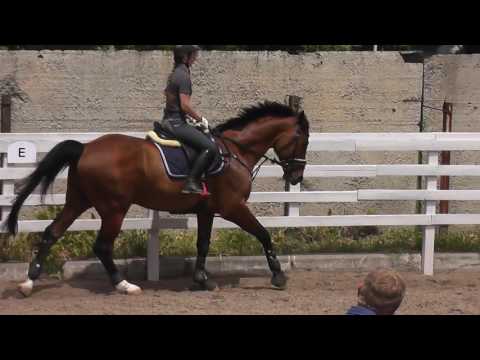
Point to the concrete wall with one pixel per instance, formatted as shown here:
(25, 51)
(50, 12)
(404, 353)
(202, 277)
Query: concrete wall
(123, 91)
(456, 79)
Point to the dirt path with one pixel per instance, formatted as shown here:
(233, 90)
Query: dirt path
(309, 293)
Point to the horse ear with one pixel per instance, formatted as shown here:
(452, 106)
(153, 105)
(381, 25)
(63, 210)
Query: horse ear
(301, 116)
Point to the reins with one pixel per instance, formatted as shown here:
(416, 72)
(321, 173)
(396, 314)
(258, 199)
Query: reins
(285, 164)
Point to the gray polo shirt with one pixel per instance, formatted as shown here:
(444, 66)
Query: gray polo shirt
(179, 82)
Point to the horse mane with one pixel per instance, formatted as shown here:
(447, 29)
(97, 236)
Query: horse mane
(252, 113)
(304, 124)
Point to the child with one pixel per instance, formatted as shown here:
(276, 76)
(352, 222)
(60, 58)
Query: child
(381, 293)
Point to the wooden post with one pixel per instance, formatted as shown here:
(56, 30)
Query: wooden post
(6, 120)
(445, 160)
(428, 247)
(5, 127)
(293, 209)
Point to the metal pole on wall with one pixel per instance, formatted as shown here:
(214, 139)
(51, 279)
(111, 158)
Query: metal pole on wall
(294, 102)
(421, 129)
(5, 125)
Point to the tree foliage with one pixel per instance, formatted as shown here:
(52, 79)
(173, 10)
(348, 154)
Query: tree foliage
(293, 49)
(144, 47)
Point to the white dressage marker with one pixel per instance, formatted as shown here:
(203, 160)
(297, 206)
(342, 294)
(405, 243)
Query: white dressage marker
(22, 152)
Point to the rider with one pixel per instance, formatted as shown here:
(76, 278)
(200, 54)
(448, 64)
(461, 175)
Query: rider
(179, 109)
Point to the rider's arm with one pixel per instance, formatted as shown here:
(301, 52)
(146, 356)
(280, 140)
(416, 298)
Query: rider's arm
(187, 107)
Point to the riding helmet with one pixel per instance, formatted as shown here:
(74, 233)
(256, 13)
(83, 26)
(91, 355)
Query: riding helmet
(181, 51)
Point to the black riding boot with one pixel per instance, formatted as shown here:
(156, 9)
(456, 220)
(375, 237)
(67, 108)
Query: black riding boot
(193, 184)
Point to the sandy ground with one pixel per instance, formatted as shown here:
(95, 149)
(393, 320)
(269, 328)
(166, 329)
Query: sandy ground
(308, 293)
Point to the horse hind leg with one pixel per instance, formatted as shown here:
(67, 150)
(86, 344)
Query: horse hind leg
(50, 236)
(103, 248)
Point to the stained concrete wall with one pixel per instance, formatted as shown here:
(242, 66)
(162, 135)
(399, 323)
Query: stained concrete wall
(456, 79)
(65, 91)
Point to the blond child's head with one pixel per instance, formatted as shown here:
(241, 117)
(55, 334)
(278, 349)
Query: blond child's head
(383, 291)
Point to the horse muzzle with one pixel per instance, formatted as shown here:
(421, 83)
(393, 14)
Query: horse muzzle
(296, 181)
(293, 180)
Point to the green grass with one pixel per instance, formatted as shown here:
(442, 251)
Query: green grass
(131, 244)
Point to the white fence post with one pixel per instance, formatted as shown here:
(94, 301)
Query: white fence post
(293, 209)
(428, 246)
(153, 262)
(8, 188)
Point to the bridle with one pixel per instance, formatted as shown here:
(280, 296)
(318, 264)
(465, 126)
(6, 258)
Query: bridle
(290, 165)
(287, 165)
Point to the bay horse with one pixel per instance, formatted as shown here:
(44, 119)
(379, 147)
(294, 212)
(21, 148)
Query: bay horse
(114, 172)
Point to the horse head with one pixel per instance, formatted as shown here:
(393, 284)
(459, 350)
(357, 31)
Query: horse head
(291, 149)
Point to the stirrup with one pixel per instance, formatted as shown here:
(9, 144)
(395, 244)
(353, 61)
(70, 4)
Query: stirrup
(204, 192)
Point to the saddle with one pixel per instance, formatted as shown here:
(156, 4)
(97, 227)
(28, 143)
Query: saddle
(177, 157)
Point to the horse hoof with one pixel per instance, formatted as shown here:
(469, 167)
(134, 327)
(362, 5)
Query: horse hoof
(279, 281)
(126, 288)
(208, 285)
(26, 288)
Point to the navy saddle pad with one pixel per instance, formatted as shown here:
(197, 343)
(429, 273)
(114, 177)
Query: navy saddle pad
(178, 161)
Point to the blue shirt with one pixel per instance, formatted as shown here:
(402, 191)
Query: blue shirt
(360, 310)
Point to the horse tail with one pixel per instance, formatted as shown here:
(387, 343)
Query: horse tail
(65, 154)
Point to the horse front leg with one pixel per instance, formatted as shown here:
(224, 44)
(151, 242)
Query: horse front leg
(243, 217)
(200, 276)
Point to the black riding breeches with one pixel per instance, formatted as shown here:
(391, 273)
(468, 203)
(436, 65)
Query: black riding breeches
(190, 135)
(196, 139)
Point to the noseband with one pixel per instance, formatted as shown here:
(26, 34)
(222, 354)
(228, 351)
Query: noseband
(289, 165)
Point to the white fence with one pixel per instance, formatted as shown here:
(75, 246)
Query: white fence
(432, 143)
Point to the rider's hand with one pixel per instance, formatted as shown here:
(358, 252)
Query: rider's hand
(205, 126)
(200, 125)
(191, 121)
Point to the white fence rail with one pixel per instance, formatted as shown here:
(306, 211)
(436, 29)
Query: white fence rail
(432, 143)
